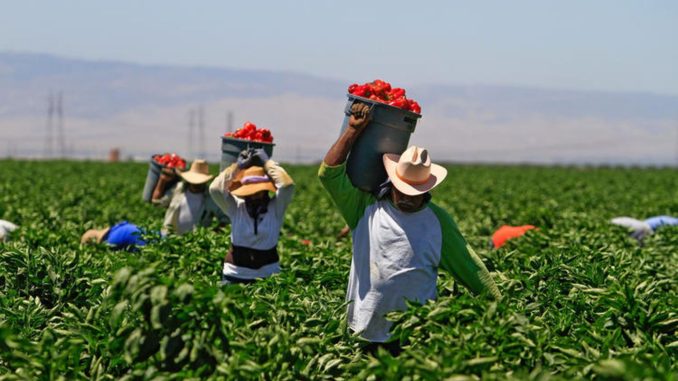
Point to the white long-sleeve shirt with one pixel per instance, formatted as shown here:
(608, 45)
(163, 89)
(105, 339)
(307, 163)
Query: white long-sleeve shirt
(242, 225)
(6, 227)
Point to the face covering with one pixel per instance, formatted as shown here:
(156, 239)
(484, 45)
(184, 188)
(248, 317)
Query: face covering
(384, 191)
(255, 208)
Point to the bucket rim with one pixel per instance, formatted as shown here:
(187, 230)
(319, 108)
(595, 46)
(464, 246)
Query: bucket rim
(153, 162)
(379, 103)
(246, 140)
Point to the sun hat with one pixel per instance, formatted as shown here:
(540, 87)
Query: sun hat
(412, 173)
(96, 235)
(250, 181)
(198, 174)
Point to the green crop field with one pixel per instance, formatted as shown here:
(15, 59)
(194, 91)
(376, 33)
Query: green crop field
(581, 299)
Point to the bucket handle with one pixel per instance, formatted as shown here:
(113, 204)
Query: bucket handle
(349, 106)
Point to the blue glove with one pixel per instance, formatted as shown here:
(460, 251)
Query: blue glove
(261, 157)
(252, 157)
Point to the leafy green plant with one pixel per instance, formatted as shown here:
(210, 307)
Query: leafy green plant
(582, 300)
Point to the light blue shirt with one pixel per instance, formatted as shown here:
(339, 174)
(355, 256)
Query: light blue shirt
(123, 235)
(658, 221)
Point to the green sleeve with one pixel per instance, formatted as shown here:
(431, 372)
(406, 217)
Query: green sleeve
(459, 259)
(350, 200)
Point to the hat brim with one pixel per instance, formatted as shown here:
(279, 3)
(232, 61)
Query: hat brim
(195, 178)
(438, 174)
(250, 189)
(96, 235)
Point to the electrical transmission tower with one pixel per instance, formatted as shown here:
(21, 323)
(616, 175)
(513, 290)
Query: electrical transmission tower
(229, 121)
(60, 125)
(201, 132)
(49, 139)
(191, 129)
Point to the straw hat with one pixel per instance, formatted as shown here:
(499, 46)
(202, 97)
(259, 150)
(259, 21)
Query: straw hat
(250, 181)
(198, 174)
(412, 173)
(96, 235)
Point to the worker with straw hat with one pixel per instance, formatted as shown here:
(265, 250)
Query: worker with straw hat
(243, 191)
(400, 237)
(189, 205)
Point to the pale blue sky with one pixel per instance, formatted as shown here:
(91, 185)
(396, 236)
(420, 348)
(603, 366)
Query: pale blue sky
(584, 44)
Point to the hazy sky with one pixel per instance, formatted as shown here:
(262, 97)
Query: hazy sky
(582, 44)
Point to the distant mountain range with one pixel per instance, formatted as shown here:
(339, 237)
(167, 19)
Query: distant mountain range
(144, 109)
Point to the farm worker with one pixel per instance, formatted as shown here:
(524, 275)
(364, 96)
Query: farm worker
(400, 237)
(658, 221)
(641, 229)
(242, 192)
(123, 235)
(189, 205)
(6, 227)
(506, 232)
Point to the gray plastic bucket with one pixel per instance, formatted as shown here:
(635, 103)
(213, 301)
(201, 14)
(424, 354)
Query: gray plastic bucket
(231, 148)
(389, 131)
(152, 176)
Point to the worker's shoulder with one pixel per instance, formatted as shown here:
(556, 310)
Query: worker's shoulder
(443, 215)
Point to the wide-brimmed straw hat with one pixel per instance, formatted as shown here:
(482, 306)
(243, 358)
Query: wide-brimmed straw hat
(250, 181)
(198, 174)
(94, 235)
(412, 173)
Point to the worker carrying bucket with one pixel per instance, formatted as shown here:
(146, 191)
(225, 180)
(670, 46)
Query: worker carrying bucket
(393, 118)
(400, 237)
(189, 205)
(254, 192)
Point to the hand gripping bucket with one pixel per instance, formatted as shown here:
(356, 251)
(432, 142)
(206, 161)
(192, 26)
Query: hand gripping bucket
(388, 131)
(152, 176)
(231, 148)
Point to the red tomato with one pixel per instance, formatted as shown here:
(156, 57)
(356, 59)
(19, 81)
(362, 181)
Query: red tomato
(382, 91)
(249, 131)
(414, 107)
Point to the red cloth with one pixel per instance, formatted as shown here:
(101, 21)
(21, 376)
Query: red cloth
(507, 232)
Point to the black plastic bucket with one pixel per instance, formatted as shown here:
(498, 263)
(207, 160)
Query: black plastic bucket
(231, 148)
(389, 131)
(152, 176)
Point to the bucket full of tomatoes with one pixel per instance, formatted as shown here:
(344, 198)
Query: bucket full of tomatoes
(249, 136)
(393, 119)
(155, 166)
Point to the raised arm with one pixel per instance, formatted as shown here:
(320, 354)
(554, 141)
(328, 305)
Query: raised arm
(350, 200)
(357, 121)
(220, 193)
(167, 177)
(283, 182)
